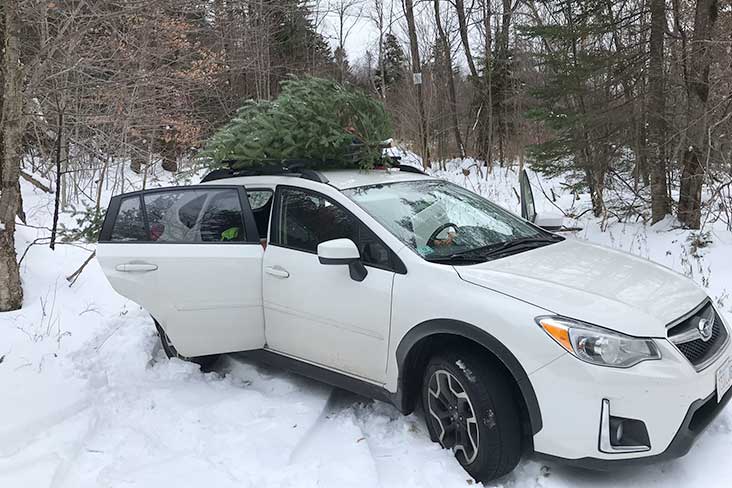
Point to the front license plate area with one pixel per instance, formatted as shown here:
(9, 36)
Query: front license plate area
(724, 378)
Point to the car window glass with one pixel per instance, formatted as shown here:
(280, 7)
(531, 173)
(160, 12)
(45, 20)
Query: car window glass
(527, 195)
(172, 215)
(189, 212)
(439, 218)
(307, 219)
(129, 224)
(260, 202)
(259, 198)
(222, 219)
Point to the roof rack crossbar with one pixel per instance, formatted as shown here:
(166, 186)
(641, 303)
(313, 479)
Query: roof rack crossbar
(410, 169)
(294, 169)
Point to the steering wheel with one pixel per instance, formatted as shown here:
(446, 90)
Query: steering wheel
(433, 236)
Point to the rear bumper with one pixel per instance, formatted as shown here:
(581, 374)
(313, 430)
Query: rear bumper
(700, 414)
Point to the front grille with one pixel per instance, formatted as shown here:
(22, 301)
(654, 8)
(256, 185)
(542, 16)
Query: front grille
(685, 336)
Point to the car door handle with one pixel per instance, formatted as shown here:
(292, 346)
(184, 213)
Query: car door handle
(277, 271)
(136, 267)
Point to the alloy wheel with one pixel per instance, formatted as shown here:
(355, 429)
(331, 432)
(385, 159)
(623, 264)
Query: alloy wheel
(453, 415)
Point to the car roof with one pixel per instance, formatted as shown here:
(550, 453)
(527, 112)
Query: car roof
(343, 179)
(340, 179)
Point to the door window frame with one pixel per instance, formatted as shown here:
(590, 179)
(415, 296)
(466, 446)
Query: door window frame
(396, 265)
(528, 213)
(248, 223)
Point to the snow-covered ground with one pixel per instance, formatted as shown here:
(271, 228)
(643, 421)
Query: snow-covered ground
(89, 400)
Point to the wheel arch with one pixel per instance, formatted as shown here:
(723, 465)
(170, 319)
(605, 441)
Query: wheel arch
(424, 339)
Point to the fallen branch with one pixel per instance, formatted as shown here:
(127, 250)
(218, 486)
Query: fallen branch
(35, 182)
(37, 241)
(39, 227)
(47, 238)
(75, 275)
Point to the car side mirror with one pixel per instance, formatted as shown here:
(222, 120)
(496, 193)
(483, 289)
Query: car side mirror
(343, 252)
(548, 221)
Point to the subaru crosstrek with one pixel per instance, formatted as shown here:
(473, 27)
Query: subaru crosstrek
(415, 291)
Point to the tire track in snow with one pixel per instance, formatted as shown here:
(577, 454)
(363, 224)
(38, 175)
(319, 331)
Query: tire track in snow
(336, 446)
(20, 437)
(305, 442)
(402, 451)
(69, 457)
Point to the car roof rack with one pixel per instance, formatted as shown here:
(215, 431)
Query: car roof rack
(410, 169)
(295, 168)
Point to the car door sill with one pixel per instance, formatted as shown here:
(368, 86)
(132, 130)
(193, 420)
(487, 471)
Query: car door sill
(336, 378)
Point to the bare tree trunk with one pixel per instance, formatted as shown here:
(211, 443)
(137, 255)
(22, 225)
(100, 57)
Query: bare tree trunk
(417, 79)
(660, 204)
(447, 54)
(11, 292)
(463, 26)
(697, 88)
(484, 115)
(379, 19)
(57, 202)
(486, 129)
(100, 183)
(502, 63)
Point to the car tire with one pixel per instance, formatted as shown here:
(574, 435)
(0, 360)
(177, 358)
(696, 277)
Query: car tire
(205, 362)
(469, 407)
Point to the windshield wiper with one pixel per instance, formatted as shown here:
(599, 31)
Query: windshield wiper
(492, 250)
(456, 258)
(524, 242)
(482, 254)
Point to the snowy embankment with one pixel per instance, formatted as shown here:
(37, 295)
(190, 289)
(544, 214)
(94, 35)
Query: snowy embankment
(89, 400)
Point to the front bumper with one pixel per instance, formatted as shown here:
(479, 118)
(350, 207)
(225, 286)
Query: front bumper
(674, 401)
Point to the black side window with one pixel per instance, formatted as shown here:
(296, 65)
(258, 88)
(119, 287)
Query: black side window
(129, 224)
(373, 251)
(306, 219)
(222, 220)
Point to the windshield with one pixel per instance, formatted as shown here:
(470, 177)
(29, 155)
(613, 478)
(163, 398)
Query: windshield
(439, 219)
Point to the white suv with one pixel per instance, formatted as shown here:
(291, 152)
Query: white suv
(413, 290)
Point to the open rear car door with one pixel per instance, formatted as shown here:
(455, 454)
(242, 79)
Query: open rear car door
(191, 257)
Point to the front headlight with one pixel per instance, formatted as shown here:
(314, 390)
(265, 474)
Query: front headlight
(597, 345)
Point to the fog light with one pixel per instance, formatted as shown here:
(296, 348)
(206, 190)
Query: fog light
(620, 434)
(616, 431)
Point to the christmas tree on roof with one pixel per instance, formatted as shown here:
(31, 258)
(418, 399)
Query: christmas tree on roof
(312, 119)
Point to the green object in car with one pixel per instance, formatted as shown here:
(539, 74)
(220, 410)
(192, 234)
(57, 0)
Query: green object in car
(230, 234)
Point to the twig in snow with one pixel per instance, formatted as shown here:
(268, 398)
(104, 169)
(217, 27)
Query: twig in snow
(75, 275)
(36, 241)
(33, 226)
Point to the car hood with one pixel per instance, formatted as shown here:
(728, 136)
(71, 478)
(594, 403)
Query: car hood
(592, 283)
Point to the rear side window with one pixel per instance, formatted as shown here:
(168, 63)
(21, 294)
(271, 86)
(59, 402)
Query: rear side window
(188, 215)
(222, 220)
(129, 224)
